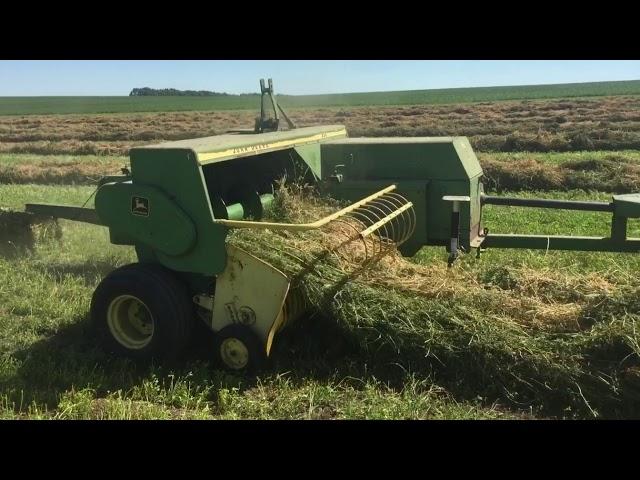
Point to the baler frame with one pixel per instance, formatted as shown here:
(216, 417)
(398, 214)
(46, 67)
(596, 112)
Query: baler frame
(622, 208)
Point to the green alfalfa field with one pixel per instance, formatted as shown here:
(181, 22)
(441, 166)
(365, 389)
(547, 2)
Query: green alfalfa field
(127, 104)
(512, 335)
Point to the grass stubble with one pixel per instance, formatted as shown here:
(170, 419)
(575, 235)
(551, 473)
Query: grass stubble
(400, 339)
(513, 335)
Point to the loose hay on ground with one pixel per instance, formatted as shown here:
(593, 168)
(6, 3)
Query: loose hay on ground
(20, 231)
(530, 350)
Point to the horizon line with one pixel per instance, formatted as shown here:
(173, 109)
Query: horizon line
(326, 94)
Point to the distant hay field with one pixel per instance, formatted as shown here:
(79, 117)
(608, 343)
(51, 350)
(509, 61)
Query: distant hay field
(599, 123)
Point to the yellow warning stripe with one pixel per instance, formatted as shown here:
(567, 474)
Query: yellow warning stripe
(262, 147)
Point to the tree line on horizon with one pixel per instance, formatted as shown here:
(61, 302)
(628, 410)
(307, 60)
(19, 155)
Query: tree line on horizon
(172, 92)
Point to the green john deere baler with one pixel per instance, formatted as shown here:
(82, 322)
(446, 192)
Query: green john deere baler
(180, 199)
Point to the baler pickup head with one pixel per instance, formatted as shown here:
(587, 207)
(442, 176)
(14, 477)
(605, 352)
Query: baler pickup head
(379, 223)
(385, 215)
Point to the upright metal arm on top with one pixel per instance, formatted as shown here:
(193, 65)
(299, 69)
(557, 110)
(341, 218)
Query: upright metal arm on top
(264, 124)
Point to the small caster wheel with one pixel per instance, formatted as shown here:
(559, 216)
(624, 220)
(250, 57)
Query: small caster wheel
(239, 349)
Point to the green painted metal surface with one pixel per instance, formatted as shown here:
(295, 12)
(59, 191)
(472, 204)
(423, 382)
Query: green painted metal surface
(235, 211)
(444, 158)
(196, 176)
(310, 154)
(627, 205)
(622, 208)
(441, 166)
(221, 148)
(179, 176)
(143, 213)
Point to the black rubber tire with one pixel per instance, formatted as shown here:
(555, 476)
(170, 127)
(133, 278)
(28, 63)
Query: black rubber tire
(167, 299)
(257, 355)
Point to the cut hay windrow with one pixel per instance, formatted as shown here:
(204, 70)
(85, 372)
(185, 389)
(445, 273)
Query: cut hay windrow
(76, 172)
(445, 324)
(605, 175)
(20, 231)
(552, 125)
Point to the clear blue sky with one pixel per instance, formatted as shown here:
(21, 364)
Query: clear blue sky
(295, 77)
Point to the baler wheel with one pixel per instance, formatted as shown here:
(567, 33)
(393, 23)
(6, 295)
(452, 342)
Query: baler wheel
(142, 311)
(239, 349)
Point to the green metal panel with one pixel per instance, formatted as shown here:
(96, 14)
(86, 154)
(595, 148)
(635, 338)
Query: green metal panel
(443, 166)
(627, 205)
(444, 158)
(178, 174)
(622, 207)
(619, 228)
(145, 214)
(220, 148)
(121, 237)
(310, 154)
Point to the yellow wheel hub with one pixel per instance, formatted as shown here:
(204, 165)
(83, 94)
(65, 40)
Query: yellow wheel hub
(234, 353)
(130, 322)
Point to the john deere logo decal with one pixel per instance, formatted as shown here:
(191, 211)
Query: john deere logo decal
(140, 206)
